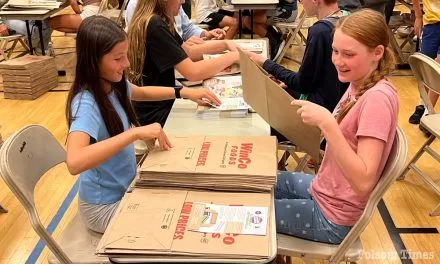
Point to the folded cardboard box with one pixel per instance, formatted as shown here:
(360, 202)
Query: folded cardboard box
(154, 222)
(272, 103)
(213, 162)
(28, 77)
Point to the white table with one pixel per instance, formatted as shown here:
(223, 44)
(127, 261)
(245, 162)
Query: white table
(38, 16)
(182, 121)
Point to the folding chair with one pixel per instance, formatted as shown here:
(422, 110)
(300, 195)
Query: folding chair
(427, 73)
(290, 150)
(109, 9)
(350, 250)
(24, 158)
(397, 21)
(293, 31)
(6, 52)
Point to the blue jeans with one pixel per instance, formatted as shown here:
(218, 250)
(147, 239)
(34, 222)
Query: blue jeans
(297, 214)
(431, 40)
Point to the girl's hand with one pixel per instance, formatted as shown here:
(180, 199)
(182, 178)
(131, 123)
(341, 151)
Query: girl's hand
(199, 95)
(216, 33)
(231, 45)
(313, 114)
(257, 58)
(153, 131)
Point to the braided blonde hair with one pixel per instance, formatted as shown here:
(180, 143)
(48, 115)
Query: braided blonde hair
(137, 34)
(369, 28)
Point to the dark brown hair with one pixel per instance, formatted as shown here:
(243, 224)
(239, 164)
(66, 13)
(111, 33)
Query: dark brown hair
(96, 37)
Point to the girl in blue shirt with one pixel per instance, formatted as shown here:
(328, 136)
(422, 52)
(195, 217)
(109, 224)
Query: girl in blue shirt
(102, 124)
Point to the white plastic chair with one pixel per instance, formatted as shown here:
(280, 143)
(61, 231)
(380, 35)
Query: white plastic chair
(24, 158)
(427, 73)
(350, 250)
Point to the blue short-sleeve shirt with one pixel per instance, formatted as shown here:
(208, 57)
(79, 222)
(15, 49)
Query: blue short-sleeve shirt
(107, 182)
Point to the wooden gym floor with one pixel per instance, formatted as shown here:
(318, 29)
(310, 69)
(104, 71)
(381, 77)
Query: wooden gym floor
(401, 224)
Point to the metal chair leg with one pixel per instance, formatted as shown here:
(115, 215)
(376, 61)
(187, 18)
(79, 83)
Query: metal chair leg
(415, 158)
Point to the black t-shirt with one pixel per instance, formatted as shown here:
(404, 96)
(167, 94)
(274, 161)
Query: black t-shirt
(163, 52)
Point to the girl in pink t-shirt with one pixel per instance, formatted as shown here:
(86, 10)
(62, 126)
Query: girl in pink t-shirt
(359, 137)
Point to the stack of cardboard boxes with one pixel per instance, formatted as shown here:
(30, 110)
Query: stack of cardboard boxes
(207, 198)
(28, 77)
(213, 163)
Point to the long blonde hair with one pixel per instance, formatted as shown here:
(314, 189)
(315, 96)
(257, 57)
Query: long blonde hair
(137, 34)
(369, 28)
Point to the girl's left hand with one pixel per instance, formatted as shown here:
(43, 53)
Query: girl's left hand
(199, 95)
(313, 114)
(257, 58)
(216, 33)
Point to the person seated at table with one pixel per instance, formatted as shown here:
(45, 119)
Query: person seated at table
(359, 134)
(101, 121)
(209, 13)
(317, 78)
(69, 23)
(156, 50)
(194, 36)
(428, 23)
(264, 20)
(19, 27)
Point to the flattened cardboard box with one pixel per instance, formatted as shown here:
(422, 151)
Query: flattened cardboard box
(154, 222)
(272, 103)
(27, 62)
(216, 158)
(252, 155)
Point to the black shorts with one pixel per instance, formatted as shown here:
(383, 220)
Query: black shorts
(214, 19)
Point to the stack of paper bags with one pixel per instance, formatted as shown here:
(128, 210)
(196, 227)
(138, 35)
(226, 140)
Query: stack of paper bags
(160, 227)
(28, 77)
(272, 103)
(213, 163)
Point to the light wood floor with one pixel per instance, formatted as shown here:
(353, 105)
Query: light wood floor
(409, 202)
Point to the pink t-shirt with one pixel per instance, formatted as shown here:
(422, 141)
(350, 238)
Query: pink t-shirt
(373, 115)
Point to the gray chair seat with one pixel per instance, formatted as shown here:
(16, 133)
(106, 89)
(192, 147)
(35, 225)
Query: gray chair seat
(432, 124)
(79, 243)
(315, 250)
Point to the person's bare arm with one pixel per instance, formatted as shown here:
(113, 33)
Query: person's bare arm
(418, 23)
(204, 69)
(75, 6)
(195, 52)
